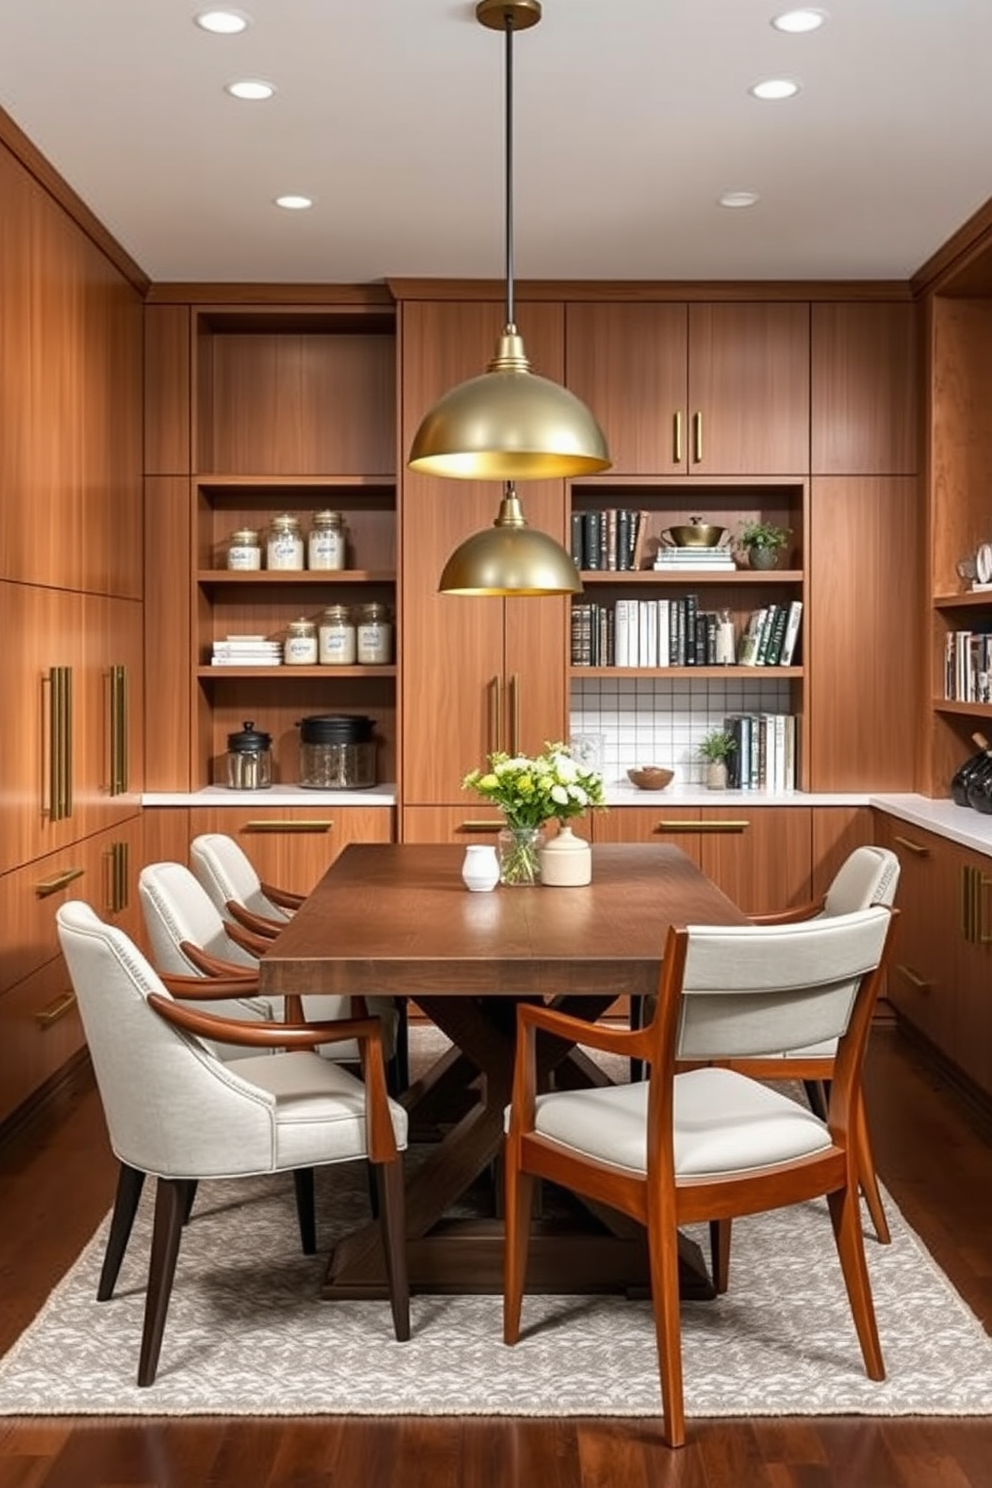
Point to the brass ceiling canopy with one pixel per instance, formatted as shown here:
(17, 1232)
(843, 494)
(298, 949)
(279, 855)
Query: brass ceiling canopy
(510, 558)
(509, 424)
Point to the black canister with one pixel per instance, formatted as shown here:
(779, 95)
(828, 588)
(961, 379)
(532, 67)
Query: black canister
(337, 752)
(249, 759)
(970, 770)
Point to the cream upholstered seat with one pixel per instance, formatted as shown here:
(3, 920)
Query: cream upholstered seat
(234, 887)
(709, 1143)
(177, 1112)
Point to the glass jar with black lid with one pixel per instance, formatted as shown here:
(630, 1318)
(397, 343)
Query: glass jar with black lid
(337, 752)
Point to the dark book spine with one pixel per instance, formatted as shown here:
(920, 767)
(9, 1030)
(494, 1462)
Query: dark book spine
(593, 538)
(578, 540)
(689, 646)
(623, 538)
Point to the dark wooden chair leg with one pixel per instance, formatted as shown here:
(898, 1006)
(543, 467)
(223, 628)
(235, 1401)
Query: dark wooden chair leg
(392, 1224)
(306, 1211)
(191, 1200)
(635, 1022)
(398, 1067)
(720, 1233)
(818, 1095)
(172, 1199)
(129, 1185)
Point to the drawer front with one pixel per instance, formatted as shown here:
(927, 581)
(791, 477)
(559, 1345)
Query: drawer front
(40, 1030)
(293, 847)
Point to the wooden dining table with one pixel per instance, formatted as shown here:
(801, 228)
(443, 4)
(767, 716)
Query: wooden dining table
(395, 919)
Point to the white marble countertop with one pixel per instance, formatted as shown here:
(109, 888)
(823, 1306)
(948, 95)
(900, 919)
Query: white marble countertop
(698, 795)
(273, 795)
(958, 823)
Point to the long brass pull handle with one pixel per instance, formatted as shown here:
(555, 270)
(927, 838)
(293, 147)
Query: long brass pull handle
(913, 980)
(118, 730)
(63, 1004)
(981, 884)
(288, 826)
(479, 826)
(514, 713)
(697, 438)
(677, 437)
(117, 862)
(730, 825)
(60, 743)
(496, 733)
(913, 847)
(966, 903)
(52, 885)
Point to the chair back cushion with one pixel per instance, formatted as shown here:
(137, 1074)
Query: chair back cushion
(177, 908)
(869, 876)
(756, 990)
(227, 873)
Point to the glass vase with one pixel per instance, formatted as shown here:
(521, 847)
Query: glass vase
(519, 852)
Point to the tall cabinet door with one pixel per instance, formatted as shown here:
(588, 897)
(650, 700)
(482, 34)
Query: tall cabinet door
(476, 674)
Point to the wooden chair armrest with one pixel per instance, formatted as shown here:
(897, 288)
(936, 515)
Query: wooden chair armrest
(790, 916)
(255, 945)
(627, 1042)
(208, 989)
(256, 924)
(212, 966)
(283, 897)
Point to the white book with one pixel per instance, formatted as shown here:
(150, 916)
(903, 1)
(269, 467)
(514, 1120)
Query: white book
(663, 633)
(643, 637)
(791, 633)
(790, 752)
(778, 753)
(749, 642)
(621, 645)
(651, 657)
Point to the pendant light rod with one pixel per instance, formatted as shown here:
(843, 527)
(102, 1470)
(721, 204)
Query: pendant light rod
(508, 169)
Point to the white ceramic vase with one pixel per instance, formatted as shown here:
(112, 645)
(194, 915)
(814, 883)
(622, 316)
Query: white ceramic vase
(566, 860)
(480, 868)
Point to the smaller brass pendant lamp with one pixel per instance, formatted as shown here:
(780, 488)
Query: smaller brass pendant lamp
(510, 558)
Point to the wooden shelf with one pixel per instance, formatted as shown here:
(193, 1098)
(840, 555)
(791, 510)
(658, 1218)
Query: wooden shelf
(970, 600)
(693, 577)
(750, 673)
(327, 673)
(306, 576)
(295, 482)
(968, 710)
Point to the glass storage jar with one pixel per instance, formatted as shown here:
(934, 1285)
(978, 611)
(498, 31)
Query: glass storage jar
(244, 551)
(300, 646)
(375, 635)
(249, 759)
(337, 752)
(285, 545)
(338, 644)
(326, 544)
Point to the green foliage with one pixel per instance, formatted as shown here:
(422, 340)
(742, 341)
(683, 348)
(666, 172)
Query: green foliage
(717, 745)
(763, 535)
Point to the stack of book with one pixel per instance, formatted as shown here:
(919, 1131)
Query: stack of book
(706, 560)
(770, 636)
(246, 651)
(968, 667)
(611, 539)
(765, 752)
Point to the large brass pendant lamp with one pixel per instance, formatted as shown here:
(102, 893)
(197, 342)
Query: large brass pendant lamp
(509, 424)
(510, 558)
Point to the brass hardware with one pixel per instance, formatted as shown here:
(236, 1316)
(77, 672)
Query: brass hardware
(973, 885)
(730, 825)
(480, 826)
(118, 730)
(117, 859)
(697, 438)
(913, 847)
(496, 735)
(52, 885)
(677, 437)
(514, 713)
(63, 1004)
(912, 978)
(965, 902)
(60, 743)
(288, 826)
(981, 883)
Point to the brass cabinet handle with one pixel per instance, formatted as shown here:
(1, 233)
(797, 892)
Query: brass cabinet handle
(973, 897)
(496, 715)
(118, 730)
(913, 847)
(697, 438)
(677, 437)
(59, 679)
(118, 857)
(288, 826)
(63, 1004)
(514, 690)
(967, 903)
(52, 885)
(730, 825)
(981, 898)
(479, 826)
(911, 977)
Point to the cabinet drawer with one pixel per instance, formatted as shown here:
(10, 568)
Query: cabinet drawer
(40, 1030)
(293, 847)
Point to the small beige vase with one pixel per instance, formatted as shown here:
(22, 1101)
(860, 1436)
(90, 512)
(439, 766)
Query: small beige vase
(566, 860)
(716, 775)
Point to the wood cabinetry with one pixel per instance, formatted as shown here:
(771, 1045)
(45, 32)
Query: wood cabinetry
(864, 388)
(294, 846)
(760, 857)
(703, 388)
(477, 675)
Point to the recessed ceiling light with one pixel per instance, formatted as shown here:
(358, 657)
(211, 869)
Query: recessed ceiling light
(775, 88)
(294, 203)
(223, 22)
(252, 88)
(739, 199)
(798, 21)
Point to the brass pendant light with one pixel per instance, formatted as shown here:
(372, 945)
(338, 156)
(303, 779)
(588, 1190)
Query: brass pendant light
(509, 424)
(510, 558)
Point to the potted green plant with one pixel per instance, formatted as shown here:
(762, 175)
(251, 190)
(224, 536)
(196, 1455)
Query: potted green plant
(715, 748)
(763, 542)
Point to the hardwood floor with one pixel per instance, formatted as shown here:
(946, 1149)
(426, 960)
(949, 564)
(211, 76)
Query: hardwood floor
(56, 1182)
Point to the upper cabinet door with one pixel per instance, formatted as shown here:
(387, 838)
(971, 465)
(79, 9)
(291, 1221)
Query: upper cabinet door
(628, 364)
(864, 365)
(748, 407)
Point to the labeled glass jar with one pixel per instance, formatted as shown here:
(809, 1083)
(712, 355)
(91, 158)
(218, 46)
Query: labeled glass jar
(375, 635)
(300, 646)
(336, 636)
(285, 545)
(244, 551)
(326, 543)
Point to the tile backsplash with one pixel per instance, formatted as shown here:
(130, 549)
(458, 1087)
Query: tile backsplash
(661, 720)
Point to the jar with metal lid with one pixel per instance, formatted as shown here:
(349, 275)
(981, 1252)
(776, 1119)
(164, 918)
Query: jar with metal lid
(337, 752)
(300, 646)
(285, 545)
(249, 759)
(326, 544)
(244, 551)
(375, 635)
(337, 639)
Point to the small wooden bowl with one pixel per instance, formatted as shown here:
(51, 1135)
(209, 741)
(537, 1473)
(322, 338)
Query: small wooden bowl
(650, 777)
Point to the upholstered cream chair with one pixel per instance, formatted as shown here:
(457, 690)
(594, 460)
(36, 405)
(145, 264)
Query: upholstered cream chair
(709, 1143)
(177, 1112)
(235, 889)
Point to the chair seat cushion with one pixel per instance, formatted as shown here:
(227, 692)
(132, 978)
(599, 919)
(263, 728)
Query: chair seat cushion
(724, 1123)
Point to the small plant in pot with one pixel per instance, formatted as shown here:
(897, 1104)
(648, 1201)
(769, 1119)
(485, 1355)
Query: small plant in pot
(715, 749)
(763, 542)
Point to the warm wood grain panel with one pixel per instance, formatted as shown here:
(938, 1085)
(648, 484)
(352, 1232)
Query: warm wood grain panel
(167, 390)
(864, 389)
(837, 831)
(297, 856)
(168, 648)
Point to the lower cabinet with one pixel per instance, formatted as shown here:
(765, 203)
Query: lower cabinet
(294, 846)
(759, 856)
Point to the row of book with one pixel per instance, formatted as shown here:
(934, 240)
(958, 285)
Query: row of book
(610, 539)
(650, 633)
(766, 749)
(968, 667)
(246, 650)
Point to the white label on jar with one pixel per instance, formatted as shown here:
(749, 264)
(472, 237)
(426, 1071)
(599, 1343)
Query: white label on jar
(300, 651)
(285, 551)
(244, 557)
(337, 645)
(327, 549)
(374, 643)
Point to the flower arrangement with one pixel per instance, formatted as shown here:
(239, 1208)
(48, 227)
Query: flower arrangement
(530, 792)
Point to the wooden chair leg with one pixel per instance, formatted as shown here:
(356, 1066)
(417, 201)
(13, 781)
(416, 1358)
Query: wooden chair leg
(398, 1067)
(305, 1209)
(868, 1178)
(845, 1215)
(818, 1095)
(720, 1232)
(392, 1224)
(664, 1263)
(172, 1200)
(518, 1202)
(635, 1021)
(129, 1185)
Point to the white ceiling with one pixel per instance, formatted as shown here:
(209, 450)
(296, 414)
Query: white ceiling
(631, 117)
